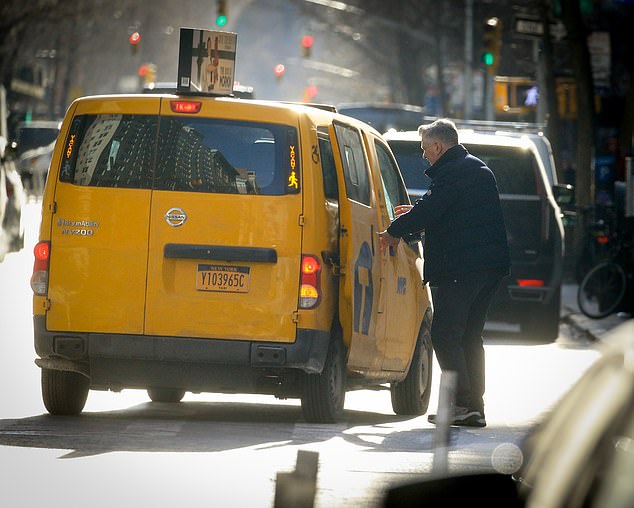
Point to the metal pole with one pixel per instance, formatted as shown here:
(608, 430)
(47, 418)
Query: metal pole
(468, 60)
(488, 94)
(444, 416)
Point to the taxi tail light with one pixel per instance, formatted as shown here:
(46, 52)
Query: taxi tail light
(310, 282)
(39, 279)
(190, 107)
(530, 283)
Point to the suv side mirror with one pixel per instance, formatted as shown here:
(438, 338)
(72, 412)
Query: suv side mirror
(564, 194)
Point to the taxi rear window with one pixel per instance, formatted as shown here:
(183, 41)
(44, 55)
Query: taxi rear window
(182, 154)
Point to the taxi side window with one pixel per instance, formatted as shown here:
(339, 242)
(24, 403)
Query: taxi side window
(328, 168)
(395, 192)
(110, 151)
(354, 166)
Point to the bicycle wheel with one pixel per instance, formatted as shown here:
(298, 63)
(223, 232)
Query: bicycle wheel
(602, 290)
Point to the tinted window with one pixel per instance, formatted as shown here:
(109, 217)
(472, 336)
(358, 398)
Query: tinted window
(392, 185)
(354, 167)
(110, 151)
(405, 118)
(409, 157)
(328, 169)
(514, 168)
(224, 156)
(196, 155)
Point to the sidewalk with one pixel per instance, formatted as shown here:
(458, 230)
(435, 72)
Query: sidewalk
(594, 329)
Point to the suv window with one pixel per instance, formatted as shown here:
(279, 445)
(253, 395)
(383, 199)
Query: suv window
(353, 160)
(395, 193)
(514, 168)
(193, 155)
(410, 160)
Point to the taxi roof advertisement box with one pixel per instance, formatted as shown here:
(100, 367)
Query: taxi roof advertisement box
(206, 61)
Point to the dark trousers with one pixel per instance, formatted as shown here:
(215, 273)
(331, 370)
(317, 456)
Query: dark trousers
(460, 309)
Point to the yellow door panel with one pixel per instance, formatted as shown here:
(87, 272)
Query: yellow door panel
(359, 283)
(98, 259)
(405, 304)
(230, 270)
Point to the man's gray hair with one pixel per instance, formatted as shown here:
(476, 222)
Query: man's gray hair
(442, 129)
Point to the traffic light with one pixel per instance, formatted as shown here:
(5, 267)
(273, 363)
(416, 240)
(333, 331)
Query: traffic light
(279, 70)
(147, 72)
(309, 93)
(134, 39)
(221, 12)
(492, 41)
(307, 45)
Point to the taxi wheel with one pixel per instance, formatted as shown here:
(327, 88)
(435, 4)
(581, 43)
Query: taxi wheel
(63, 392)
(411, 396)
(324, 394)
(165, 394)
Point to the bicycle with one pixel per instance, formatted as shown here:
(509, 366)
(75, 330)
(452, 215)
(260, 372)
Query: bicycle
(607, 286)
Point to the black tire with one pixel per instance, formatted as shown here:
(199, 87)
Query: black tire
(324, 394)
(541, 323)
(165, 395)
(63, 392)
(602, 290)
(411, 396)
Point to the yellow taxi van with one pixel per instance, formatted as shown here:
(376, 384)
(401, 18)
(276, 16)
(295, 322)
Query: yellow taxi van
(215, 244)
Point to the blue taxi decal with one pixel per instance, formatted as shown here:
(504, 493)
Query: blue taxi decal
(363, 294)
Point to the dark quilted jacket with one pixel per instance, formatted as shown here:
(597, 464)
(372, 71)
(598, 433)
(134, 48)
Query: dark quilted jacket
(461, 217)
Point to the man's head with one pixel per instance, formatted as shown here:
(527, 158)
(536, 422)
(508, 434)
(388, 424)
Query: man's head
(437, 138)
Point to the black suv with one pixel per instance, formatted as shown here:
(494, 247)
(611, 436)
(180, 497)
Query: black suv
(531, 295)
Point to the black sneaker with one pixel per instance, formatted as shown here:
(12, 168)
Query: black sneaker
(464, 417)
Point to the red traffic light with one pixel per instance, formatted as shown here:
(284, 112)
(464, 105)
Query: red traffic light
(134, 38)
(311, 91)
(307, 41)
(279, 70)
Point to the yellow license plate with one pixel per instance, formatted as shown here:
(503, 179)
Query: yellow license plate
(228, 279)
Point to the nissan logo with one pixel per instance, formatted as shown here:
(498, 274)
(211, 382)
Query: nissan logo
(175, 217)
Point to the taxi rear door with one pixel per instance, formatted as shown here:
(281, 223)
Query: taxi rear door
(401, 285)
(99, 232)
(223, 251)
(358, 286)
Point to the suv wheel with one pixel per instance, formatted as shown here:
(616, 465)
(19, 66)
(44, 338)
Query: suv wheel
(64, 392)
(324, 394)
(165, 394)
(411, 396)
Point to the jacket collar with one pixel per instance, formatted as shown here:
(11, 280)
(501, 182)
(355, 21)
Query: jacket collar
(455, 152)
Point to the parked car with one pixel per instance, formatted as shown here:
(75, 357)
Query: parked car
(35, 143)
(12, 202)
(580, 455)
(531, 295)
(193, 243)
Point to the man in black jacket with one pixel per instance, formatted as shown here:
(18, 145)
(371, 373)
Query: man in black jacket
(466, 255)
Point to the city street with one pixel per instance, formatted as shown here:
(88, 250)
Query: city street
(226, 450)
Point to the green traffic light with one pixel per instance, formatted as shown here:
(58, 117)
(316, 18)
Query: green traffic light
(221, 20)
(488, 58)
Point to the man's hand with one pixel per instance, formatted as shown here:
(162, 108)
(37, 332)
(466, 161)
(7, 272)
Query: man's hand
(401, 209)
(387, 240)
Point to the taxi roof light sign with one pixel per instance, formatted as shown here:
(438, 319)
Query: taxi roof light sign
(206, 61)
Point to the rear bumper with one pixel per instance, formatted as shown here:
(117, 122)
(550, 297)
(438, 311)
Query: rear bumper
(114, 361)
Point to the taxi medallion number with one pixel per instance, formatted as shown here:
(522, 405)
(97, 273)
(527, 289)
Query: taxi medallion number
(228, 279)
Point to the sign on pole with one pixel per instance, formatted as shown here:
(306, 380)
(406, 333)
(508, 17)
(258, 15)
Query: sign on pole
(206, 61)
